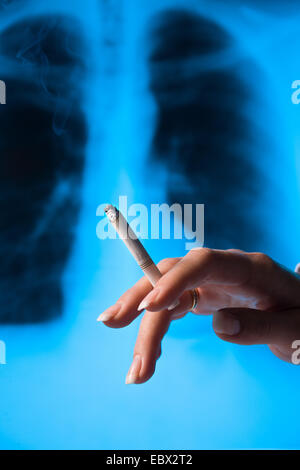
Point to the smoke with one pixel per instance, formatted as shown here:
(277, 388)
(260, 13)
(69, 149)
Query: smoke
(42, 136)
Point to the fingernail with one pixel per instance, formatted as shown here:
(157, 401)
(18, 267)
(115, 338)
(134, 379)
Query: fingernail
(148, 299)
(109, 313)
(174, 304)
(134, 370)
(226, 324)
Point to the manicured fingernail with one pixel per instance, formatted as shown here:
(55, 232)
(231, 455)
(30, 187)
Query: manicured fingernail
(109, 313)
(226, 324)
(148, 299)
(134, 370)
(174, 305)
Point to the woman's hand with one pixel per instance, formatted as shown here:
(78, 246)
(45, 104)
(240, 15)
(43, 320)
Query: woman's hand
(253, 301)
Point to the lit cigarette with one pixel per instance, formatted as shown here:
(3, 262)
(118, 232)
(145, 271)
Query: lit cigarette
(133, 244)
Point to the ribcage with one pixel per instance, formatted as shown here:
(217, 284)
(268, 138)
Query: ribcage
(202, 133)
(42, 142)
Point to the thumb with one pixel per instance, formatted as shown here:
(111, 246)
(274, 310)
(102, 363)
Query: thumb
(249, 326)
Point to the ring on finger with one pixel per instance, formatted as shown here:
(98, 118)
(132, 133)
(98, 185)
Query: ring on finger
(195, 299)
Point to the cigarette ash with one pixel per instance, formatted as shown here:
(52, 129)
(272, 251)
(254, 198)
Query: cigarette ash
(111, 212)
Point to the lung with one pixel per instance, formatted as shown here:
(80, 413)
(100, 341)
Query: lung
(42, 140)
(201, 135)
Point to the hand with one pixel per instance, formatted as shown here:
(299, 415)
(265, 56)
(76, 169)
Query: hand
(253, 299)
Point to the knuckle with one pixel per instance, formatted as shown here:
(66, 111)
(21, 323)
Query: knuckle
(128, 297)
(166, 263)
(262, 259)
(235, 250)
(261, 267)
(208, 255)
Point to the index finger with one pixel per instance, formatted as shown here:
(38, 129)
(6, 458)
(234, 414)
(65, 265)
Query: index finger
(125, 310)
(197, 268)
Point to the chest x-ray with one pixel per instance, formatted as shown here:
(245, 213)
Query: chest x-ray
(165, 102)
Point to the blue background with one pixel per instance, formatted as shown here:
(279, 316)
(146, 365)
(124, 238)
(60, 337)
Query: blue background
(64, 382)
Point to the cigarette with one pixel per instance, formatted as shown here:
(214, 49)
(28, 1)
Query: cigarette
(133, 244)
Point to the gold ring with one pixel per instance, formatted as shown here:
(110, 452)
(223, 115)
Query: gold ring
(195, 297)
